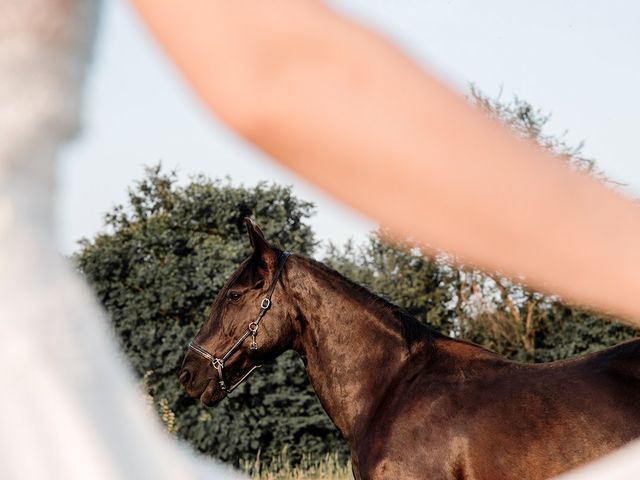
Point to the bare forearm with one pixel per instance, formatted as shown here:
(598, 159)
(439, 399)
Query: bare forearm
(416, 157)
(351, 113)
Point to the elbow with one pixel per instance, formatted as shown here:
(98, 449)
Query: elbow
(248, 116)
(276, 76)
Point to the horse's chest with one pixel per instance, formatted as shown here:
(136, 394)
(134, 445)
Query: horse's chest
(409, 449)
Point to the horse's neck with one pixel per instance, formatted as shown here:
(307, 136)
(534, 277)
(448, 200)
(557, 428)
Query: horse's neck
(352, 347)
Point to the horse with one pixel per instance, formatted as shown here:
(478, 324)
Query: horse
(410, 402)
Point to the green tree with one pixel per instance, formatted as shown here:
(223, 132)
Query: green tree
(157, 267)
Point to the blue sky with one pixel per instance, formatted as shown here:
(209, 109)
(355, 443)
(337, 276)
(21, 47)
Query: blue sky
(578, 59)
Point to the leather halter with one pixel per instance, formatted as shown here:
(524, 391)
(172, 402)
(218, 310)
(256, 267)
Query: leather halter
(252, 329)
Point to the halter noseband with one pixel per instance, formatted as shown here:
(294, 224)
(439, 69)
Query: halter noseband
(252, 329)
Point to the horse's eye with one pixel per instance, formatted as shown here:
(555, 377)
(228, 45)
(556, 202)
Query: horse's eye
(233, 295)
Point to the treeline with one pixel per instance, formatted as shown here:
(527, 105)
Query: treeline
(162, 257)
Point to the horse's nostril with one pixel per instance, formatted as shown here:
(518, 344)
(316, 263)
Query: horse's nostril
(185, 376)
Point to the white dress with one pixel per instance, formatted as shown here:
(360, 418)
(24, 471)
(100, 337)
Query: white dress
(69, 407)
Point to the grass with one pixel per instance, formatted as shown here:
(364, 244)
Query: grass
(329, 467)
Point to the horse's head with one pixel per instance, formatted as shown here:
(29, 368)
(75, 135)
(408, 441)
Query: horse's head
(250, 323)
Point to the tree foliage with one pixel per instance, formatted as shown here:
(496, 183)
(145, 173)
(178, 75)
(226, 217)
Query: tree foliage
(157, 268)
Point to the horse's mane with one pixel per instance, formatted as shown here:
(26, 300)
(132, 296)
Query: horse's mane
(412, 330)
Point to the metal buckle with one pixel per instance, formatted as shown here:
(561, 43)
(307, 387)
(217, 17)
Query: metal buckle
(266, 303)
(216, 362)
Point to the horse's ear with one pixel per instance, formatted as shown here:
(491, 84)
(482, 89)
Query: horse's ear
(261, 249)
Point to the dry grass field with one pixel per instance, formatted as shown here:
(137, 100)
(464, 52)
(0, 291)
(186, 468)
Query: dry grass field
(280, 468)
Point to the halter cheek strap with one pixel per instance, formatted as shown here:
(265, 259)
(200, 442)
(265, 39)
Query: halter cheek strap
(252, 329)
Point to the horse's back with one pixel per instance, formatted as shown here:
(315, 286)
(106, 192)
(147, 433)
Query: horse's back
(621, 361)
(541, 420)
(503, 420)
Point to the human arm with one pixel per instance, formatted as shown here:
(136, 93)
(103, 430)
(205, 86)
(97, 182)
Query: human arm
(348, 111)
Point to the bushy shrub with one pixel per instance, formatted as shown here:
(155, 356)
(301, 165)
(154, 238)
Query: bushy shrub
(157, 267)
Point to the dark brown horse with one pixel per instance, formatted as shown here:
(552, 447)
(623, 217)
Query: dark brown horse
(412, 403)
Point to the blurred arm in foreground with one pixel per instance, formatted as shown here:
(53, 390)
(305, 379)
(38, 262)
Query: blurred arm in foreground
(349, 112)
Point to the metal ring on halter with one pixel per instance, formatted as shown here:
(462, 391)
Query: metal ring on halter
(218, 363)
